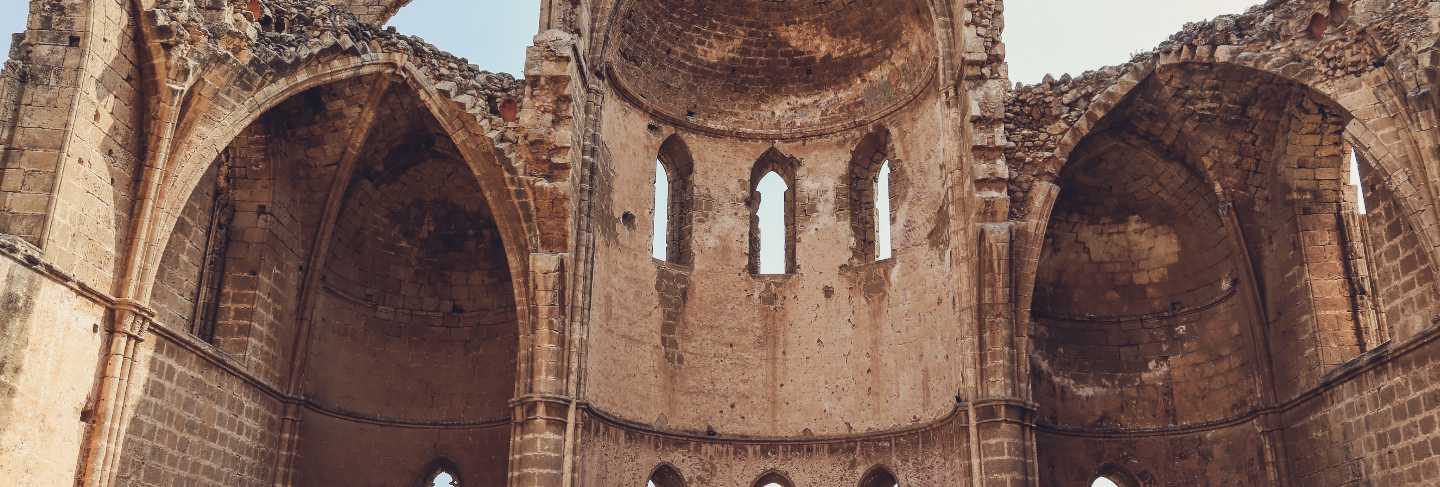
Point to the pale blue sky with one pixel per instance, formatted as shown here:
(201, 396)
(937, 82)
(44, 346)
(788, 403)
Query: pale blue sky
(1042, 36)
(12, 20)
(492, 34)
(1072, 36)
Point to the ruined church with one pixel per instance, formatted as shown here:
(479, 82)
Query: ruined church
(741, 243)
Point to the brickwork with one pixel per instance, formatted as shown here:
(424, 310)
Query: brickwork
(624, 454)
(176, 293)
(751, 357)
(766, 67)
(197, 423)
(679, 172)
(1403, 273)
(1376, 423)
(1227, 456)
(860, 184)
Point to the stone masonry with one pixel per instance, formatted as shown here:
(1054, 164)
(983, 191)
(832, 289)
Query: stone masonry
(273, 243)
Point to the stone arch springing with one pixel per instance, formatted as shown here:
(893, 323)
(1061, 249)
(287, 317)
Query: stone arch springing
(674, 157)
(872, 155)
(786, 168)
(666, 475)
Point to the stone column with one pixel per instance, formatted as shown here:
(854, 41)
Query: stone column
(113, 404)
(541, 406)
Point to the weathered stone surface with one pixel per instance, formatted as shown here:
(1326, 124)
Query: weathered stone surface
(270, 243)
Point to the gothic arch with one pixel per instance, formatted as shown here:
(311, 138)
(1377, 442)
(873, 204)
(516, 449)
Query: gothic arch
(205, 130)
(1381, 146)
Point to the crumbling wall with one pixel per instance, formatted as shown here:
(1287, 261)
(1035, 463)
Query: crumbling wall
(1275, 162)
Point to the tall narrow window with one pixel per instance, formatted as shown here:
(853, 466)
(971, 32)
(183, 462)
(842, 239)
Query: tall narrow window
(772, 217)
(882, 213)
(870, 202)
(1356, 183)
(771, 213)
(670, 241)
(660, 239)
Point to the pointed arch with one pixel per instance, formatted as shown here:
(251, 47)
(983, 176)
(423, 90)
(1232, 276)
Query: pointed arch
(437, 470)
(872, 158)
(678, 167)
(773, 478)
(786, 169)
(1115, 475)
(204, 129)
(879, 476)
(666, 475)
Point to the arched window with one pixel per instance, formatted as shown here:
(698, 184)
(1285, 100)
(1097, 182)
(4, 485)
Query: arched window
(882, 213)
(443, 478)
(670, 240)
(659, 240)
(1111, 476)
(772, 221)
(773, 479)
(665, 476)
(771, 213)
(871, 198)
(1357, 183)
(441, 473)
(879, 477)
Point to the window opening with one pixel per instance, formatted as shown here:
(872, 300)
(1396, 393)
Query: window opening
(665, 476)
(1356, 183)
(882, 213)
(879, 477)
(1104, 482)
(444, 479)
(772, 189)
(773, 479)
(660, 238)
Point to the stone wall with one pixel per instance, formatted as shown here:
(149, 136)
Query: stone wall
(199, 422)
(273, 243)
(626, 454)
(1404, 275)
(748, 354)
(50, 337)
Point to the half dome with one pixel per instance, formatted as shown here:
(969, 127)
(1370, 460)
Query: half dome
(773, 67)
